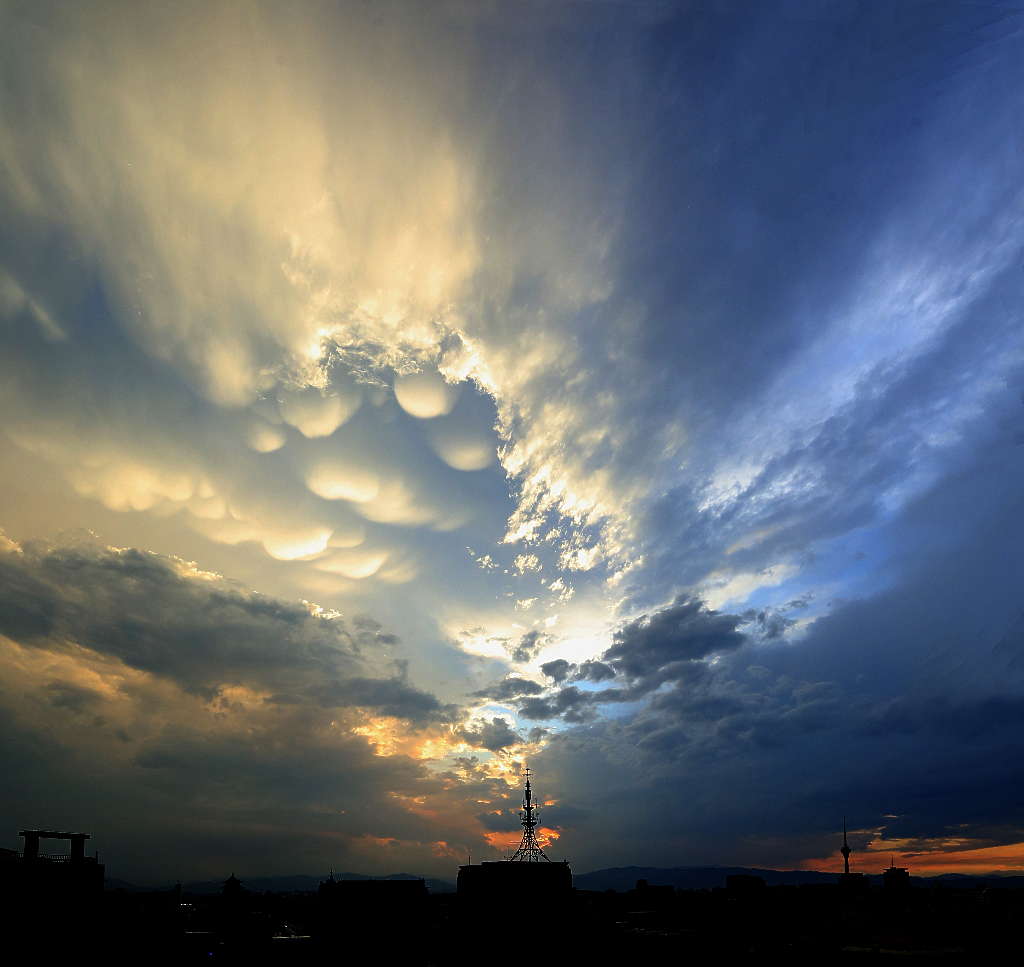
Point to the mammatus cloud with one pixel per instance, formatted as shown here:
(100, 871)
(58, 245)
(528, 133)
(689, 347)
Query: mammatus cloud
(293, 255)
(354, 282)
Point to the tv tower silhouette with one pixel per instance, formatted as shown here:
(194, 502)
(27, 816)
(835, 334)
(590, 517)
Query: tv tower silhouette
(529, 849)
(846, 851)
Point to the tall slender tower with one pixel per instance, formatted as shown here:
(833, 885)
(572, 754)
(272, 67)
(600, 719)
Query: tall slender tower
(529, 849)
(846, 851)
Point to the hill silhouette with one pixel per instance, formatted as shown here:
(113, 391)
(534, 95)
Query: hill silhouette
(709, 877)
(620, 879)
(287, 883)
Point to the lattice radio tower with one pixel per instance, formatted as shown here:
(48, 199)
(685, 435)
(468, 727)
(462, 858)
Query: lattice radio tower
(529, 849)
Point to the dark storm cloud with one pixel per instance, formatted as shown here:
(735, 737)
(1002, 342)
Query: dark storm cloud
(276, 796)
(494, 735)
(527, 647)
(570, 704)
(557, 670)
(769, 623)
(902, 709)
(656, 647)
(73, 697)
(197, 761)
(510, 688)
(370, 633)
(127, 693)
(388, 696)
(593, 671)
(503, 821)
(588, 671)
(647, 652)
(156, 615)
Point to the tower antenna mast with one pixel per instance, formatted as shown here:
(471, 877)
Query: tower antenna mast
(529, 849)
(846, 851)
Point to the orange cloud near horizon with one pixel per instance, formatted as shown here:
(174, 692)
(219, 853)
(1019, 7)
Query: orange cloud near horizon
(1008, 858)
(504, 841)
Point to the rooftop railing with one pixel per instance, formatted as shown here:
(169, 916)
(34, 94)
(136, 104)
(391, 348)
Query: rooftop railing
(62, 858)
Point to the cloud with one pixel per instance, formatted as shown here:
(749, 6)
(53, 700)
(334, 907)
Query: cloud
(510, 688)
(494, 735)
(354, 257)
(593, 671)
(392, 697)
(877, 711)
(569, 703)
(528, 646)
(588, 671)
(66, 695)
(655, 647)
(351, 269)
(425, 395)
(165, 617)
(557, 670)
(209, 711)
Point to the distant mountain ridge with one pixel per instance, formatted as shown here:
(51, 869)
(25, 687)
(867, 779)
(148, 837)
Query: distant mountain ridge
(620, 879)
(624, 878)
(294, 883)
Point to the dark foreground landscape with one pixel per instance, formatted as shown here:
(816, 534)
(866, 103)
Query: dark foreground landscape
(611, 916)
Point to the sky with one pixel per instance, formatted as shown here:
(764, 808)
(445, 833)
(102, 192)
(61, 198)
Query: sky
(396, 395)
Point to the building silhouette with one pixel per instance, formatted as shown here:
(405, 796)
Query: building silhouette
(232, 888)
(70, 875)
(529, 872)
(41, 890)
(391, 914)
(895, 877)
(744, 884)
(367, 895)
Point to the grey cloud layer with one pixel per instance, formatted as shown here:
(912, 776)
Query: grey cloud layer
(157, 616)
(157, 704)
(646, 653)
(901, 709)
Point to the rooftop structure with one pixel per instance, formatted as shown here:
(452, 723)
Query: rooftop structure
(895, 877)
(529, 849)
(528, 872)
(36, 881)
(33, 836)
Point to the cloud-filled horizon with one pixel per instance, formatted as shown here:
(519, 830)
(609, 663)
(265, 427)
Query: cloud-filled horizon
(394, 396)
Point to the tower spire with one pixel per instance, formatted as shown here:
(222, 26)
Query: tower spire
(529, 849)
(846, 851)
